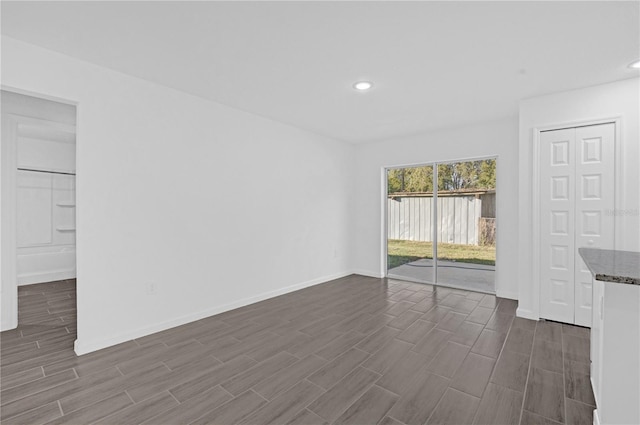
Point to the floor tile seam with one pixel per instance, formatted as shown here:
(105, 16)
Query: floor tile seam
(347, 349)
(367, 388)
(5, 418)
(546, 369)
(322, 393)
(23, 350)
(442, 376)
(304, 378)
(564, 377)
(209, 343)
(439, 400)
(102, 398)
(394, 418)
(163, 362)
(470, 346)
(376, 382)
(321, 348)
(438, 352)
(442, 398)
(260, 361)
(41, 390)
(315, 336)
(486, 385)
(327, 362)
(519, 352)
(463, 391)
(526, 382)
(117, 366)
(542, 338)
(229, 380)
(561, 374)
(60, 408)
(255, 392)
(54, 350)
(222, 362)
(360, 365)
(126, 392)
(581, 402)
(384, 389)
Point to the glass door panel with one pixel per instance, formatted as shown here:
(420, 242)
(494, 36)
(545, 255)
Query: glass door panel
(465, 211)
(410, 223)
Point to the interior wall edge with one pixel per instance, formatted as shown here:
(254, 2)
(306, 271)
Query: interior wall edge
(512, 295)
(526, 314)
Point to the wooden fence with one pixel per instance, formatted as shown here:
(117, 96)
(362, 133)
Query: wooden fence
(410, 218)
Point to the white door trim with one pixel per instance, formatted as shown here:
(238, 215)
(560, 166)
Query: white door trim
(8, 175)
(535, 193)
(9, 318)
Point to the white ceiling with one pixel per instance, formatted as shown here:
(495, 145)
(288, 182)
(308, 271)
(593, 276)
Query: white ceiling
(434, 64)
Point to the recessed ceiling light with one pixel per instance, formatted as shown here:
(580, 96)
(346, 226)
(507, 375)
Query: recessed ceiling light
(363, 85)
(635, 65)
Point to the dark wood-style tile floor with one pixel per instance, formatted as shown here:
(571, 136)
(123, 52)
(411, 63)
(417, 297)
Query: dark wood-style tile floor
(355, 350)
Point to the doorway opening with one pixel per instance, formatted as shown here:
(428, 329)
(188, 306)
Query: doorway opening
(38, 221)
(441, 223)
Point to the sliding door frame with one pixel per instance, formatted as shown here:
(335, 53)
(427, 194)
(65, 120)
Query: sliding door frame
(434, 211)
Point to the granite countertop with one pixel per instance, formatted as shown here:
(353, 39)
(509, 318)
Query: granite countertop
(612, 266)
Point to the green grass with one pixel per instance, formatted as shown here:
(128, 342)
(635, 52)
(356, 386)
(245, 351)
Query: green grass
(402, 252)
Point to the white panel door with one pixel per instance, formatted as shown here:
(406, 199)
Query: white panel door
(557, 210)
(576, 203)
(594, 204)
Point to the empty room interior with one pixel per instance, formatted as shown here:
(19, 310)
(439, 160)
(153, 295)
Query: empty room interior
(342, 212)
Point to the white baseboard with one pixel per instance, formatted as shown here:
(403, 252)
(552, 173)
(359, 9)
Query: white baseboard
(367, 273)
(526, 314)
(593, 386)
(28, 279)
(8, 323)
(84, 347)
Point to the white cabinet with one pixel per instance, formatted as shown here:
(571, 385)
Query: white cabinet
(45, 227)
(615, 352)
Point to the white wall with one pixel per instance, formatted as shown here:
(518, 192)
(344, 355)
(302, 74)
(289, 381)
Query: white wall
(490, 139)
(158, 171)
(615, 100)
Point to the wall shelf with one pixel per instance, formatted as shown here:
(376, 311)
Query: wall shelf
(66, 204)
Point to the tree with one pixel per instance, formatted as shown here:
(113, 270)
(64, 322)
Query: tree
(453, 176)
(419, 179)
(414, 179)
(487, 177)
(395, 180)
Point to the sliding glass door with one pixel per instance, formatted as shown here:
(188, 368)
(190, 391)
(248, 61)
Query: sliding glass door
(441, 224)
